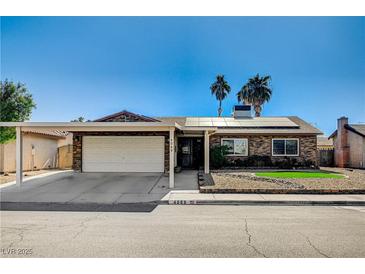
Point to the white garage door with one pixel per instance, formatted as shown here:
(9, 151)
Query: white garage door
(123, 154)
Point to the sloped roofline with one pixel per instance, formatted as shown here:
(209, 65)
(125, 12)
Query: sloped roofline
(333, 134)
(348, 127)
(144, 118)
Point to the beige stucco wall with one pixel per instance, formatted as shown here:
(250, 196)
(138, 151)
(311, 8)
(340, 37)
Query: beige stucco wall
(45, 153)
(357, 150)
(65, 141)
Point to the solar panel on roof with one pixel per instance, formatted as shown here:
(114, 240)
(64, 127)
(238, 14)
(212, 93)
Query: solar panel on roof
(232, 122)
(205, 123)
(242, 107)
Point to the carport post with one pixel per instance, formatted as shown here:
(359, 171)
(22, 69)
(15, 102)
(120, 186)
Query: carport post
(206, 152)
(19, 156)
(172, 157)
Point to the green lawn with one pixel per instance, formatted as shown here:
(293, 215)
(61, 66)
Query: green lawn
(299, 174)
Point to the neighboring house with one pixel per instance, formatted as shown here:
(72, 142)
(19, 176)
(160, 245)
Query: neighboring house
(349, 143)
(39, 150)
(325, 150)
(323, 142)
(128, 142)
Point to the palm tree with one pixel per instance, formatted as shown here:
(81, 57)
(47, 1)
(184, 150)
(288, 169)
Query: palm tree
(220, 89)
(256, 92)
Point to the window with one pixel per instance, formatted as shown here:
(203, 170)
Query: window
(285, 147)
(236, 146)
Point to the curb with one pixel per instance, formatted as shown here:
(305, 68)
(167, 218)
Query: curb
(149, 206)
(283, 191)
(267, 203)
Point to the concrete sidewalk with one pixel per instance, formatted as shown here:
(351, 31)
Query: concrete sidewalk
(194, 197)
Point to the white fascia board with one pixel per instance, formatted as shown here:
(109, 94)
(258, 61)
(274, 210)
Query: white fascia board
(176, 125)
(85, 129)
(93, 126)
(198, 128)
(84, 124)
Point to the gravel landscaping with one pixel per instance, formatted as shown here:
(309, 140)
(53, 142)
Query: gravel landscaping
(354, 179)
(239, 181)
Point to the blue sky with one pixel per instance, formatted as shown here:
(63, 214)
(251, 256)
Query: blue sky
(164, 66)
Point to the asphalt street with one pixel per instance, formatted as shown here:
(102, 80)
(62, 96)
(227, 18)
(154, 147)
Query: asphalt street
(187, 231)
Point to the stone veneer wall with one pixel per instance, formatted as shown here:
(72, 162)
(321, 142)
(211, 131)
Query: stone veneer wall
(261, 146)
(77, 144)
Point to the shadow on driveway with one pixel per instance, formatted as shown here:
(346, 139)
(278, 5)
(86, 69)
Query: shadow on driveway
(124, 192)
(84, 207)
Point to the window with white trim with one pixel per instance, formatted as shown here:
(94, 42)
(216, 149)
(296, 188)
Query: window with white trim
(237, 147)
(285, 147)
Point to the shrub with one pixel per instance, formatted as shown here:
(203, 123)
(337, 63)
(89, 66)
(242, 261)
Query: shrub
(217, 156)
(309, 163)
(258, 161)
(287, 163)
(240, 163)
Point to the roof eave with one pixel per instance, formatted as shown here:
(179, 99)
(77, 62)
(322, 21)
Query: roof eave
(265, 132)
(88, 126)
(46, 135)
(348, 127)
(333, 134)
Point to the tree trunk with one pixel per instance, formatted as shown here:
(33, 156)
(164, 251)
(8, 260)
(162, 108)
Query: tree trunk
(258, 110)
(220, 109)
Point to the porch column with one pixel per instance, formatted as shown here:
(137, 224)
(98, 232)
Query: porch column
(206, 152)
(19, 156)
(172, 157)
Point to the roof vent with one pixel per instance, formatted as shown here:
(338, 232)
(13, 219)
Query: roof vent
(242, 111)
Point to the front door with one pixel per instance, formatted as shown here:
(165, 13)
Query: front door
(190, 152)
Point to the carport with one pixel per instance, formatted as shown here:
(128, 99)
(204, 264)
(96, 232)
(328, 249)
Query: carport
(101, 127)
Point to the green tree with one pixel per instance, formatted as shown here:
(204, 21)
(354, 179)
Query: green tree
(80, 119)
(220, 89)
(256, 92)
(16, 105)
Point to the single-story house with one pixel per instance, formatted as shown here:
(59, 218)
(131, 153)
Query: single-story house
(40, 150)
(324, 143)
(349, 143)
(129, 142)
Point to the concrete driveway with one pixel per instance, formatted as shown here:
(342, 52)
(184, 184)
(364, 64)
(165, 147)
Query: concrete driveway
(101, 188)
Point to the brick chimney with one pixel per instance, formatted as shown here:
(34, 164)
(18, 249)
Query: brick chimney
(342, 149)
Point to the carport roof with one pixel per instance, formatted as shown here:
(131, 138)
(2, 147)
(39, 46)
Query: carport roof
(93, 126)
